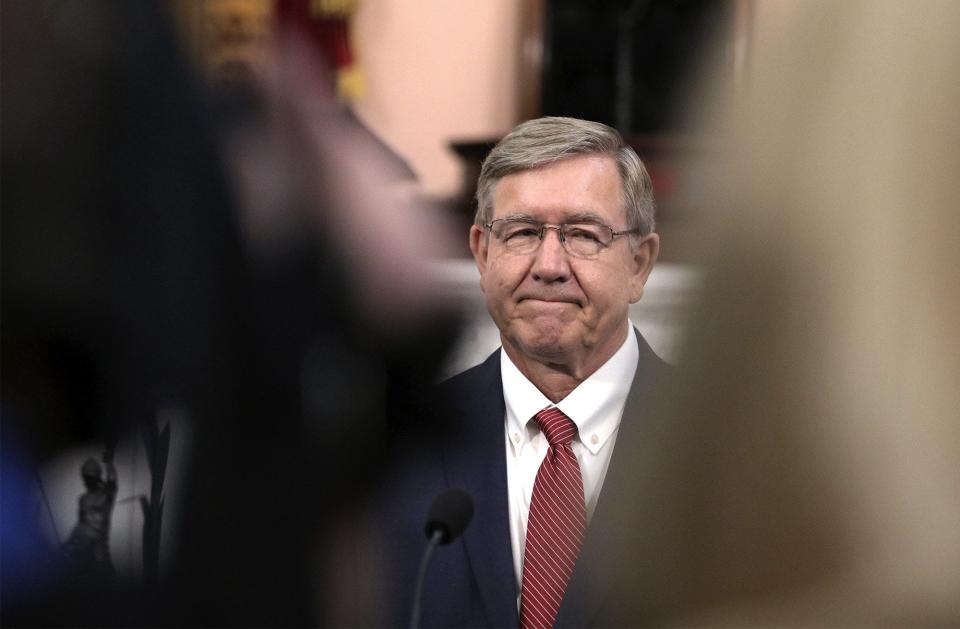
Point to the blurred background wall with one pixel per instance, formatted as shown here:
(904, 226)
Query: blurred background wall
(436, 71)
(440, 81)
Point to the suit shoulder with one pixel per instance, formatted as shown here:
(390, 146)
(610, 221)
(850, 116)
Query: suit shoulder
(473, 378)
(649, 358)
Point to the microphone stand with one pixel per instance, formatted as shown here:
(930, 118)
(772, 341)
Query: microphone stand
(435, 539)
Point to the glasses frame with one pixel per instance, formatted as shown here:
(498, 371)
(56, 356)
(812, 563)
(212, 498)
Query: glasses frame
(563, 241)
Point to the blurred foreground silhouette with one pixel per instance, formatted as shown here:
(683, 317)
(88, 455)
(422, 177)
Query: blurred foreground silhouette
(255, 261)
(804, 470)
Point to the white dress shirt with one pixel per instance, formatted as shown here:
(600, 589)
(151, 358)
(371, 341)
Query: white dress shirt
(595, 406)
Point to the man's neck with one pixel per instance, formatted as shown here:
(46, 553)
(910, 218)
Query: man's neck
(553, 383)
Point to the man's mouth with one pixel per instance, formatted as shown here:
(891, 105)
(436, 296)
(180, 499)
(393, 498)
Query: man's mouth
(549, 301)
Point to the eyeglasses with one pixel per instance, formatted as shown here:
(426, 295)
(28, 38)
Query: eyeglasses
(583, 240)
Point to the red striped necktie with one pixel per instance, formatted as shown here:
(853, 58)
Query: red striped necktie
(556, 525)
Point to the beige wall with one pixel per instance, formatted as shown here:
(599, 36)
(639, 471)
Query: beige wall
(437, 70)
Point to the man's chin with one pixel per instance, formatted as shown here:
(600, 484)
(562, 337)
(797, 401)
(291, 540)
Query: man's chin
(545, 345)
(547, 313)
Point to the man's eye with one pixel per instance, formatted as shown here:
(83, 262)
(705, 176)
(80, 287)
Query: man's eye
(583, 234)
(522, 232)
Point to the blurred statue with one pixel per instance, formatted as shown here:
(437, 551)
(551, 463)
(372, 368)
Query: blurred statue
(87, 550)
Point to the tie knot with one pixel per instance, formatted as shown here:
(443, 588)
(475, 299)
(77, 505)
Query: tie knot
(558, 428)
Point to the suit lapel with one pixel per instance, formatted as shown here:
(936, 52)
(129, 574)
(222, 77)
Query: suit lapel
(475, 460)
(590, 582)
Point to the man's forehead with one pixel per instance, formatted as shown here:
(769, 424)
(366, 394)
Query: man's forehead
(586, 187)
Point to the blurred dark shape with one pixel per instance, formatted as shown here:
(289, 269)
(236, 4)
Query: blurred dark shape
(626, 63)
(156, 445)
(122, 270)
(130, 283)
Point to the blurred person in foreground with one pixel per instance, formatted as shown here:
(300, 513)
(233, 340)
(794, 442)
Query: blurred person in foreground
(564, 241)
(805, 468)
(144, 264)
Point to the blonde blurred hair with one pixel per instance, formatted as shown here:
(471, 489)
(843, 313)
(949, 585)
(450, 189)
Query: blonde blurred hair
(805, 467)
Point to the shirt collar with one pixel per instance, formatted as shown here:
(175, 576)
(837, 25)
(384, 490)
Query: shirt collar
(595, 406)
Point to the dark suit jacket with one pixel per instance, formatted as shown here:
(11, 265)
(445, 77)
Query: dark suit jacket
(471, 582)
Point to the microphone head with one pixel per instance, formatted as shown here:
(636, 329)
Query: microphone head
(449, 514)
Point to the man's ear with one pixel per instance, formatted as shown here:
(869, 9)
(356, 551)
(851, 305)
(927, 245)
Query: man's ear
(478, 246)
(644, 257)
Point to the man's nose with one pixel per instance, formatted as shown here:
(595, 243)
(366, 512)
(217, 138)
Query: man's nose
(550, 263)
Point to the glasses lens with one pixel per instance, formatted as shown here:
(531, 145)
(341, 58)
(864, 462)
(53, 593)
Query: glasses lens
(584, 240)
(518, 236)
(587, 239)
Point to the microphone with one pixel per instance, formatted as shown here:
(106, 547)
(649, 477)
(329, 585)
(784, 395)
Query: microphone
(449, 516)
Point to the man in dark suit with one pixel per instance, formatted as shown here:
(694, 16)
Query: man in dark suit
(564, 243)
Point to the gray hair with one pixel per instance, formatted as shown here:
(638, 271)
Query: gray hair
(543, 141)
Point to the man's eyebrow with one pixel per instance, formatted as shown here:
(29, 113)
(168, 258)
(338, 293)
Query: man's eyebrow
(520, 216)
(578, 217)
(585, 217)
